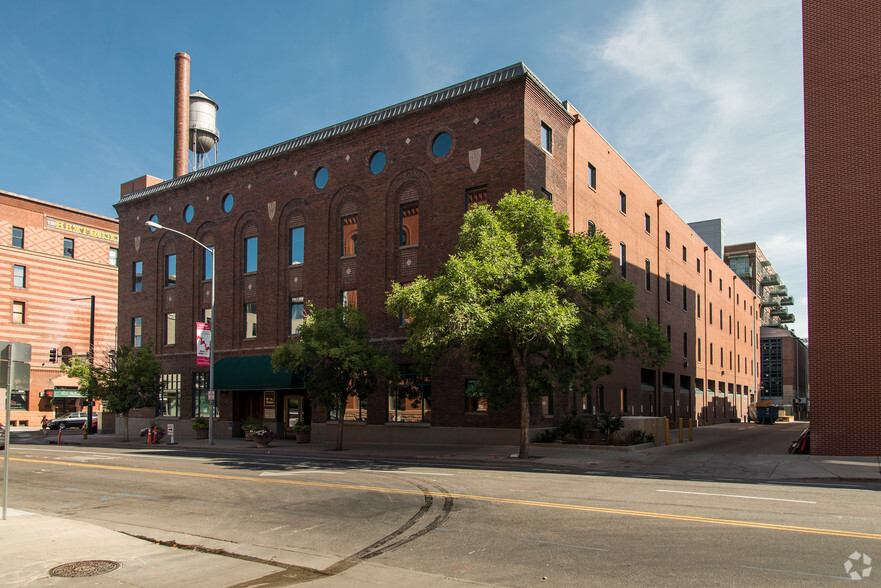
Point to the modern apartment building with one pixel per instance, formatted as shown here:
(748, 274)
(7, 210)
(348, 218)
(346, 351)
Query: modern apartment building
(54, 260)
(750, 264)
(339, 214)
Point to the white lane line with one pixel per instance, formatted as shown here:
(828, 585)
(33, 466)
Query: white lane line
(796, 573)
(407, 472)
(562, 544)
(299, 472)
(738, 496)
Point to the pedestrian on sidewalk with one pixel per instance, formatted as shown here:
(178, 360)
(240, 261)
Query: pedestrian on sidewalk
(45, 425)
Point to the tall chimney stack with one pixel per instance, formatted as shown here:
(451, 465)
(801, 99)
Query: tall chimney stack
(181, 113)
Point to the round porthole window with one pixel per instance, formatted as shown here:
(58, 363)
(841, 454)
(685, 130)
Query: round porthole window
(188, 213)
(228, 202)
(321, 176)
(154, 219)
(441, 144)
(377, 162)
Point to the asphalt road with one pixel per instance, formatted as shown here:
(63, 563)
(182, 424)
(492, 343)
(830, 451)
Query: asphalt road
(494, 526)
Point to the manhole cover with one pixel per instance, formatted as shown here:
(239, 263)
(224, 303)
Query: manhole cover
(80, 569)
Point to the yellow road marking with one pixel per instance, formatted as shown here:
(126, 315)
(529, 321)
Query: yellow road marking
(493, 499)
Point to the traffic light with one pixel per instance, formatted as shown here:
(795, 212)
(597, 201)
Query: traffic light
(53, 356)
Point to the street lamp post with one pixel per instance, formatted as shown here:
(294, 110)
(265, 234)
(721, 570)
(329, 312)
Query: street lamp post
(91, 357)
(212, 401)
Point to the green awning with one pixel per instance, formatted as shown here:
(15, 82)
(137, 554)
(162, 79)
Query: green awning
(62, 393)
(253, 373)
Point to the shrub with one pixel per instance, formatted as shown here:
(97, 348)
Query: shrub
(546, 436)
(609, 424)
(573, 429)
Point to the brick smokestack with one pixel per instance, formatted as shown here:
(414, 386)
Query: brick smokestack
(181, 113)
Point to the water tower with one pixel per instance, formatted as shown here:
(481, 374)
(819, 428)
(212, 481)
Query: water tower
(203, 135)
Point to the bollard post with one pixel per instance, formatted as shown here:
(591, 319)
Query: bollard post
(667, 430)
(59, 435)
(680, 429)
(85, 432)
(690, 431)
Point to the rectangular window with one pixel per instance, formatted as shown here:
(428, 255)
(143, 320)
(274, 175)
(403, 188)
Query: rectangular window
(473, 403)
(201, 406)
(684, 254)
(297, 245)
(721, 326)
(685, 345)
(19, 276)
(410, 400)
(114, 257)
(206, 315)
(349, 297)
(68, 247)
(547, 405)
(648, 275)
(207, 267)
(698, 306)
(170, 328)
(711, 276)
(698, 265)
(720, 284)
(668, 287)
(409, 223)
(622, 202)
(250, 254)
(711, 354)
(137, 276)
(667, 239)
(170, 270)
(169, 397)
(356, 410)
(296, 314)
(136, 331)
(622, 259)
(18, 313)
(684, 297)
(547, 138)
(250, 320)
(591, 176)
(669, 334)
(648, 224)
(474, 197)
(699, 349)
(349, 232)
(18, 237)
(711, 313)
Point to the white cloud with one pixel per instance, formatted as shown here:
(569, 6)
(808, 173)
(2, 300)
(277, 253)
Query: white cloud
(705, 100)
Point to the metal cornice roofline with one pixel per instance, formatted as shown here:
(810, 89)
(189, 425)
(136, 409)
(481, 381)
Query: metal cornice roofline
(485, 81)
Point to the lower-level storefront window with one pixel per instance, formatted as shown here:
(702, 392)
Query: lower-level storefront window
(169, 398)
(201, 406)
(410, 401)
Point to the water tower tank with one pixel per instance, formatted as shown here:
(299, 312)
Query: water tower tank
(203, 123)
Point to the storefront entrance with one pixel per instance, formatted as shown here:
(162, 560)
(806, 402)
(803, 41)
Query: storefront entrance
(297, 412)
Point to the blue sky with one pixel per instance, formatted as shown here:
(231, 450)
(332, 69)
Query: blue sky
(703, 98)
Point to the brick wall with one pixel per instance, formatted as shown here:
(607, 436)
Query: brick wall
(842, 149)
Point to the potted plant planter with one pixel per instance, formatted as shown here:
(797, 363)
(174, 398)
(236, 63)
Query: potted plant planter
(303, 432)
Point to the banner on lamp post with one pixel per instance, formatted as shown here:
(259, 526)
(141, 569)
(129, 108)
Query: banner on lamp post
(203, 343)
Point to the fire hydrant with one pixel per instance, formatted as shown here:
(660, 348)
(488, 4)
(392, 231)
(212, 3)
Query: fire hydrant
(85, 432)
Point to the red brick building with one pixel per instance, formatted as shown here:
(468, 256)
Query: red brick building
(341, 213)
(51, 254)
(842, 77)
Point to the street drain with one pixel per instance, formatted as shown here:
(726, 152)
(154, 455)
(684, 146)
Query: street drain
(81, 569)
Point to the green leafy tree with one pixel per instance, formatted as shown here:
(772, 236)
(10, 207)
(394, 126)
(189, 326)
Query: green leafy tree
(333, 350)
(128, 381)
(531, 305)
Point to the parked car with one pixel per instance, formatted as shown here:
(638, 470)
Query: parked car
(74, 420)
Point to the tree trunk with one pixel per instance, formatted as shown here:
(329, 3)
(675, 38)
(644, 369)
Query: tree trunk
(520, 368)
(125, 427)
(342, 417)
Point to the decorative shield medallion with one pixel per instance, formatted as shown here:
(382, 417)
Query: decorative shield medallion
(474, 159)
(137, 243)
(271, 207)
